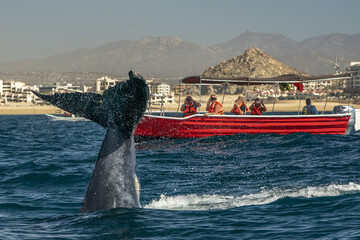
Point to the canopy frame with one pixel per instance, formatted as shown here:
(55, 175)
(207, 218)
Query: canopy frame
(288, 78)
(200, 81)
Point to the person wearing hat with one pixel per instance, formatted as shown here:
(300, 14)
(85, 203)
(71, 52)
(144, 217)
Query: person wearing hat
(189, 107)
(258, 107)
(309, 109)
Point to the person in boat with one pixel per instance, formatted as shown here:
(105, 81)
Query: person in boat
(239, 107)
(189, 107)
(309, 109)
(258, 107)
(213, 107)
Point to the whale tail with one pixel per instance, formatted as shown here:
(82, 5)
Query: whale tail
(107, 108)
(119, 109)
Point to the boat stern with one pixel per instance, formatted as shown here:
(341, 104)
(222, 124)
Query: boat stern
(343, 109)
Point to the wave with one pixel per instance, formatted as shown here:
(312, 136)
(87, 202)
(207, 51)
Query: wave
(219, 202)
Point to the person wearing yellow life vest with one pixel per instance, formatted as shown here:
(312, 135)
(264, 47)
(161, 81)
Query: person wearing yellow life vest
(239, 107)
(258, 107)
(309, 109)
(189, 107)
(214, 107)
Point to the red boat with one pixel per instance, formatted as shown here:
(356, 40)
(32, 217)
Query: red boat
(199, 125)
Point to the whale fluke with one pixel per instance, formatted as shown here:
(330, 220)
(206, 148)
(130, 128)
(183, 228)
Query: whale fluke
(119, 109)
(88, 105)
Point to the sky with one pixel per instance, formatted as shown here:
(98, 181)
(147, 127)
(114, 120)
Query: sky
(35, 29)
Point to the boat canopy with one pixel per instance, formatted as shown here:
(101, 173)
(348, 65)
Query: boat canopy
(288, 78)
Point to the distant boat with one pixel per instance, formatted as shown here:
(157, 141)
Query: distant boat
(69, 117)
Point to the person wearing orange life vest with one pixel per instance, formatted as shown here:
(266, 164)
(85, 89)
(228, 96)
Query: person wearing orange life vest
(239, 107)
(189, 107)
(214, 107)
(258, 107)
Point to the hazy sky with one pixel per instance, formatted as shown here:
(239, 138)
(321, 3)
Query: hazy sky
(42, 28)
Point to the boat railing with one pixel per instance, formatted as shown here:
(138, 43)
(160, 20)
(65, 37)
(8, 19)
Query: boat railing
(297, 80)
(152, 106)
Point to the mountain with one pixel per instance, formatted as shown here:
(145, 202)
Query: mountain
(252, 63)
(315, 55)
(273, 43)
(152, 56)
(172, 57)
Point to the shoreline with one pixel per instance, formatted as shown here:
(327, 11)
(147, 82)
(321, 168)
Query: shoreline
(280, 106)
(29, 110)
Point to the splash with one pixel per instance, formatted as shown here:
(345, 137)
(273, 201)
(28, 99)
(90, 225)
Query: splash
(214, 202)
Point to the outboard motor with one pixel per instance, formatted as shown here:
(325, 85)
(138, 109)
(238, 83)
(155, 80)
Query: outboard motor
(341, 109)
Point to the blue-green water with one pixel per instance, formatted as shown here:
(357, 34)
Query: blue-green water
(297, 186)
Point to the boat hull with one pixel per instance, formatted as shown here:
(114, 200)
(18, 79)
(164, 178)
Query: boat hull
(204, 126)
(357, 123)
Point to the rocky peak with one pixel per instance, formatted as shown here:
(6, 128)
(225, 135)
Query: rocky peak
(254, 62)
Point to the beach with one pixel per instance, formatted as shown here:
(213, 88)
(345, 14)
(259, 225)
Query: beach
(280, 106)
(27, 109)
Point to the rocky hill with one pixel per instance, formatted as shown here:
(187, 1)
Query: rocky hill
(252, 63)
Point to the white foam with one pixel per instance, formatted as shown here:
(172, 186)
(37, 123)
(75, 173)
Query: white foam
(212, 202)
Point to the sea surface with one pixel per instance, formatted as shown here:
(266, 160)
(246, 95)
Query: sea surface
(297, 186)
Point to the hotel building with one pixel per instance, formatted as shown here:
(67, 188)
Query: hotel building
(353, 85)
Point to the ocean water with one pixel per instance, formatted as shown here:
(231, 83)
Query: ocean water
(297, 186)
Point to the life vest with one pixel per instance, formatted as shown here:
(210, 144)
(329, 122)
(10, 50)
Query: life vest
(308, 111)
(256, 110)
(212, 108)
(189, 110)
(236, 109)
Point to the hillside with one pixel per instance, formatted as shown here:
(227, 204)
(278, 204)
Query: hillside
(315, 55)
(172, 57)
(153, 57)
(252, 63)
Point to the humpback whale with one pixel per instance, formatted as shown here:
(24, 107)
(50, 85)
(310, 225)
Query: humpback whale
(113, 183)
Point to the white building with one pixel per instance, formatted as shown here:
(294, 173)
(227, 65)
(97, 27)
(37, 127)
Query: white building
(160, 92)
(317, 85)
(58, 88)
(104, 83)
(353, 84)
(157, 99)
(67, 88)
(16, 92)
(163, 88)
